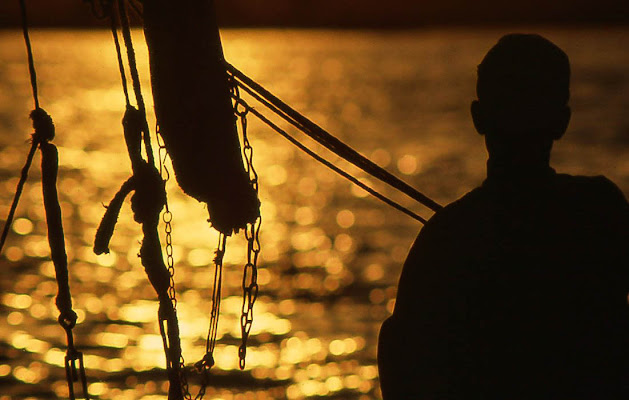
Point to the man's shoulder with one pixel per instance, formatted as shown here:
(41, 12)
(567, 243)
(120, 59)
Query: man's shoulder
(598, 186)
(593, 194)
(470, 205)
(597, 196)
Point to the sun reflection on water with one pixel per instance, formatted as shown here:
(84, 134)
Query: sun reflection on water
(330, 255)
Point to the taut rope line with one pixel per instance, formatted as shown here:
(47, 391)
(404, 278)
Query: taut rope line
(326, 139)
(333, 167)
(18, 192)
(123, 75)
(35, 143)
(135, 77)
(29, 52)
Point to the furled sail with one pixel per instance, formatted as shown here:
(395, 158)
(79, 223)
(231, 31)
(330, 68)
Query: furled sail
(194, 109)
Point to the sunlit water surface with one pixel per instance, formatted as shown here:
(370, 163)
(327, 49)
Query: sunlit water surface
(331, 255)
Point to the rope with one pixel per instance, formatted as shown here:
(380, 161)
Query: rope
(123, 76)
(18, 194)
(146, 203)
(44, 132)
(135, 77)
(36, 137)
(334, 168)
(29, 51)
(216, 297)
(326, 139)
(67, 316)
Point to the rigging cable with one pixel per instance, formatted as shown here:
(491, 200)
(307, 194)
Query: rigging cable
(413, 193)
(333, 167)
(35, 142)
(326, 139)
(135, 77)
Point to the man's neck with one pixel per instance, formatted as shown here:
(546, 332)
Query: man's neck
(506, 172)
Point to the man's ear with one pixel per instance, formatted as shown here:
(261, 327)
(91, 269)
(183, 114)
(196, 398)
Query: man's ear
(478, 117)
(563, 119)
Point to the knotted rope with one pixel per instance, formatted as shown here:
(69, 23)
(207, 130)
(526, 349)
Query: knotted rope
(44, 132)
(147, 202)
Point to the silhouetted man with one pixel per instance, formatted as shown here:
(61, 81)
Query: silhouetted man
(519, 289)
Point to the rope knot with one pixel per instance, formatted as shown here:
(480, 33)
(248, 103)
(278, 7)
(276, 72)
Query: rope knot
(43, 125)
(67, 319)
(150, 194)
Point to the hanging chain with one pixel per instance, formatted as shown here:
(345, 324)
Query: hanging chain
(252, 232)
(167, 217)
(73, 356)
(207, 361)
(249, 286)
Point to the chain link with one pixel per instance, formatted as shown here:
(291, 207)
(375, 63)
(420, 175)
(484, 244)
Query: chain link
(167, 217)
(250, 274)
(72, 358)
(250, 286)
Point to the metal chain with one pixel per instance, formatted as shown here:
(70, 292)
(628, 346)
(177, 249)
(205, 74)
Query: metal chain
(252, 231)
(249, 286)
(73, 356)
(167, 217)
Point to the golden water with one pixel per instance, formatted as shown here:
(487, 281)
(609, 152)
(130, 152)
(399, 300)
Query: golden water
(330, 257)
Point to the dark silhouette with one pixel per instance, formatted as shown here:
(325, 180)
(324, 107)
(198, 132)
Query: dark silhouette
(194, 110)
(519, 289)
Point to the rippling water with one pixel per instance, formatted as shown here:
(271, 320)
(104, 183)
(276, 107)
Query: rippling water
(330, 257)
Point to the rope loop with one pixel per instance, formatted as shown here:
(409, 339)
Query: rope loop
(67, 319)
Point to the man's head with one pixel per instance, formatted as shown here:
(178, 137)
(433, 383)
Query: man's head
(522, 106)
